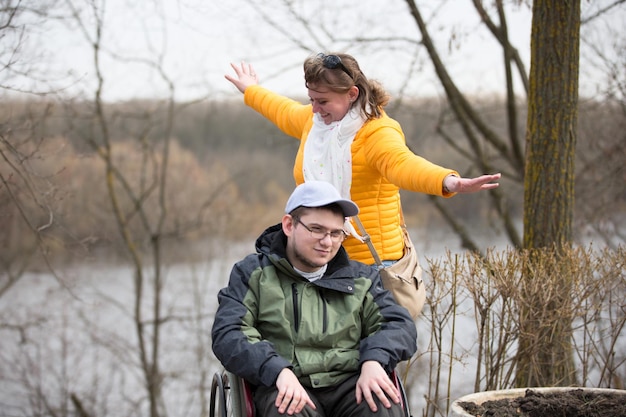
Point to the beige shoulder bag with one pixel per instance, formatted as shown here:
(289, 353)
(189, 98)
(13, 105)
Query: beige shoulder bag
(404, 278)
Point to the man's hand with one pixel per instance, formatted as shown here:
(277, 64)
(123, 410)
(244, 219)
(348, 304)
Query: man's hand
(375, 381)
(292, 397)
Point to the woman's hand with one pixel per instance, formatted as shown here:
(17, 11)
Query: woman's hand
(245, 76)
(454, 184)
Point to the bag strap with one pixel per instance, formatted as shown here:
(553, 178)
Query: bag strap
(366, 236)
(366, 239)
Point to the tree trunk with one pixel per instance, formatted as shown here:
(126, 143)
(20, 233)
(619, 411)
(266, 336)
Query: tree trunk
(545, 351)
(552, 123)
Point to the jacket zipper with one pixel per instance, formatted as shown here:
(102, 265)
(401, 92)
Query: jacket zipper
(296, 313)
(296, 310)
(325, 318)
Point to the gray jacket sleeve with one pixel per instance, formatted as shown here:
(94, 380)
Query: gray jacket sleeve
(235, 340)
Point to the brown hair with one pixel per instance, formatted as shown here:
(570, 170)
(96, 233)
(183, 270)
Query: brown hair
(372, 96)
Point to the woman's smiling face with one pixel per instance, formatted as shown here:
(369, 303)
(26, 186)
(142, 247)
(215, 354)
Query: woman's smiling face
(332, 106)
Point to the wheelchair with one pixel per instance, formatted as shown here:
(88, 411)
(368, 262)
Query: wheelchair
(231, 396)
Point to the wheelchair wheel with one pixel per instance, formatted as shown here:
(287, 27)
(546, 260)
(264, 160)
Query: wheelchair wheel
(403, 398)
(227, 396)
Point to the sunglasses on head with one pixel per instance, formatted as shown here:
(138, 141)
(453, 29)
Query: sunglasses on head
(333, 62)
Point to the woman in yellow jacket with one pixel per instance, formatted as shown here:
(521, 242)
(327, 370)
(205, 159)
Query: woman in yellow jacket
(347, 139)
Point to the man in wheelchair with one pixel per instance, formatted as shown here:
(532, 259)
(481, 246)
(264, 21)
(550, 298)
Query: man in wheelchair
(312, 332)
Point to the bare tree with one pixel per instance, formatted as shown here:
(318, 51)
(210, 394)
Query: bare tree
(129, 205)
(479, 134)
(138, 197)
(602, 141)
(28, 199)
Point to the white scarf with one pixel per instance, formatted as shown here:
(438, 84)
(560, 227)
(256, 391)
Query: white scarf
(328, 154)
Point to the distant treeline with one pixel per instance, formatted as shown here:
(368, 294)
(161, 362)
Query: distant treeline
(230, 170)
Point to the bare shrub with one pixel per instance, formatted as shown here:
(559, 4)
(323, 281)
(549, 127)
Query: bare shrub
(478, 306)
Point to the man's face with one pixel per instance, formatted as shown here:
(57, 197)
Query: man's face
(309, 253)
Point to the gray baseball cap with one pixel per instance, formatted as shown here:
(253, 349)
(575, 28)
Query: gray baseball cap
(319, 194)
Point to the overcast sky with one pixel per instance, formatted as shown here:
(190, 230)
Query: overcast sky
(195, 40)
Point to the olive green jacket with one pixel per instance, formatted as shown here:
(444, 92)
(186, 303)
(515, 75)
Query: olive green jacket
(270, 317)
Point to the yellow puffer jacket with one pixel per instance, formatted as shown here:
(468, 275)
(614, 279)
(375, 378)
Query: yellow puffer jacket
(382, 164)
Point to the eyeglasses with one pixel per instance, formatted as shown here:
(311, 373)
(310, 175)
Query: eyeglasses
(320, 233)
(333, 62)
